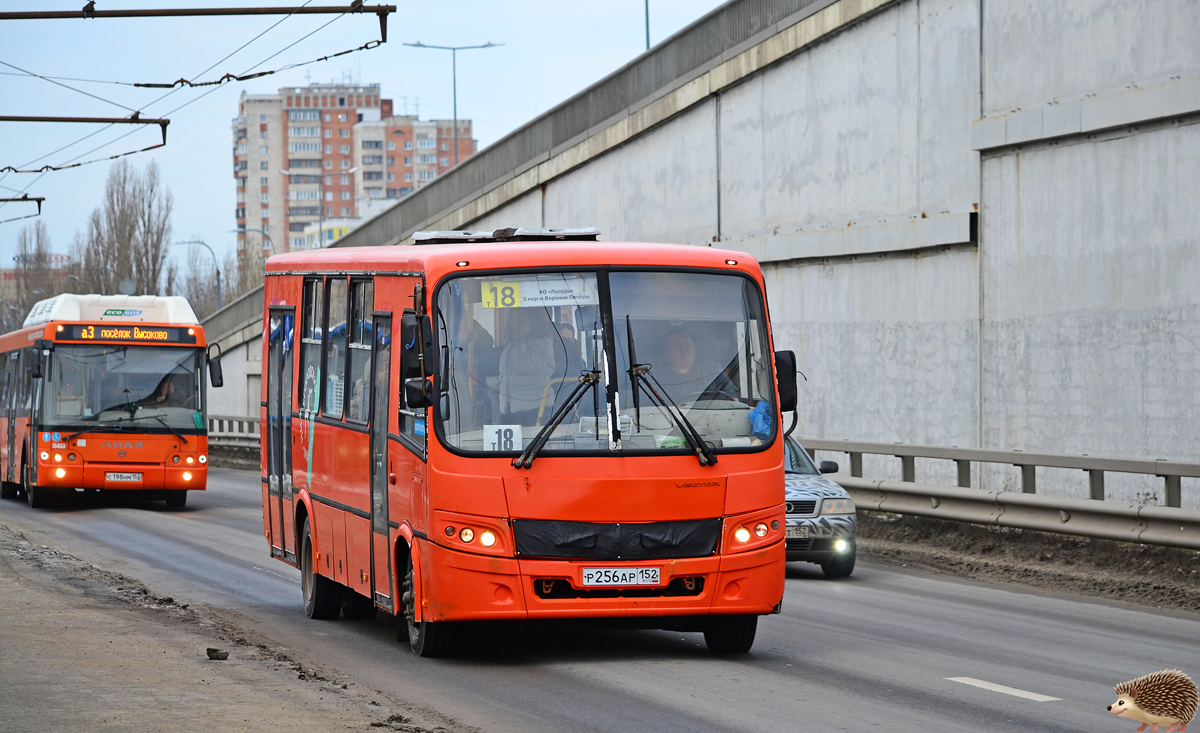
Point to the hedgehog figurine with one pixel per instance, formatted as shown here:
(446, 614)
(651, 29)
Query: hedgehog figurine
(1162, 698)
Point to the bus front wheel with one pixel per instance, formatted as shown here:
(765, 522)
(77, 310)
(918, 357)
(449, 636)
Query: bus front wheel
(176, 499)
(730, 634)
(322, 596)
(35, 496)
(425, 638)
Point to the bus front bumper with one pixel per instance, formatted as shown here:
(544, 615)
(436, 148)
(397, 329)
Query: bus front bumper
(122, 476)
(463, 586)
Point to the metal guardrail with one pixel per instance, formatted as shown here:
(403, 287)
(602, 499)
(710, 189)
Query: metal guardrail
(1155, 525)
(1170, 471)
(233, 432)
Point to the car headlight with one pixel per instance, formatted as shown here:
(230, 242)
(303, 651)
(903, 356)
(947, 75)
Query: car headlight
(837, 506)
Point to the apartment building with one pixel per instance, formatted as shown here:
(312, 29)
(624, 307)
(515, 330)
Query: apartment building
(322, 152)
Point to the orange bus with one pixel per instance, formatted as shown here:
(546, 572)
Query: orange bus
(526, 425)
(105, 392)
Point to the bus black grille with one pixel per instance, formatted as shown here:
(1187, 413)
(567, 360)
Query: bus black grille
(559, 588)
(611, 541)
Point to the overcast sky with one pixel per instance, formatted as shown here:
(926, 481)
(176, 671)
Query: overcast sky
(553, 49)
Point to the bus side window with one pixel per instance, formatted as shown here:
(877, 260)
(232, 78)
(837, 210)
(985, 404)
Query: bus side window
(362, 302)
(335, 350)
(310, 345)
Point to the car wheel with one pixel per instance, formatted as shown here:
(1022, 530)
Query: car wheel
(322, 596)
(840, 568)
(730, 634)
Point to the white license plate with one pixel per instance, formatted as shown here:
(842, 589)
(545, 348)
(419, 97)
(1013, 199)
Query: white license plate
(111, 476)
(797, 533)
(620, 576)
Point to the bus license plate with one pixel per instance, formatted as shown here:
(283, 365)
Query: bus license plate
(797, 533)
(620, 576)
(110, 476)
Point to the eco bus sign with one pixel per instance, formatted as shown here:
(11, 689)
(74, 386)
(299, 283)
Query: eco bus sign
(136, 334)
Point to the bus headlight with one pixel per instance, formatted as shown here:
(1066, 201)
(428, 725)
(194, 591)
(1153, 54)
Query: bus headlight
(760, 530)
(174, 459)
(741, 534)
(60, 472)
(203, 459)
(187, 475)
(190, 460)
(837, 506)
(70, 456)
(45, 456)
(486, 538)
(58, 457)
(467, 534)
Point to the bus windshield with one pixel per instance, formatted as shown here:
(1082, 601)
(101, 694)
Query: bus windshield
(157, 387)
(662, 354)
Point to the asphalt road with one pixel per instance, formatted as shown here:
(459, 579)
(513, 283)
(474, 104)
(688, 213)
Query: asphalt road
(874, 651)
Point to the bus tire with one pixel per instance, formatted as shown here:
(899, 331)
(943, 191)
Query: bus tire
(322, 596)
(9, 490)
(35, 496)
(425, 638)
(730, 634)
(176, 499)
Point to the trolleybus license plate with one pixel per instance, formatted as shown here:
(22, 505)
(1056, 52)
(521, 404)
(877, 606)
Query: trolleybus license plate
(797, 533)
(620, 576)
(111, 476)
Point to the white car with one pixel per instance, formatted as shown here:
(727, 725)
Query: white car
(821, 521)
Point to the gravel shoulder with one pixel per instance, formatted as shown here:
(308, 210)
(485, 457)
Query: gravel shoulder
(1146, 575)
(88, 649)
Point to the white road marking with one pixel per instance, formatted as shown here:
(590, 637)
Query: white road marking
(1001, 688)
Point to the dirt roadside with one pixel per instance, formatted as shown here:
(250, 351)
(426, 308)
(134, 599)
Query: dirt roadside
(1146, 575)
(82, 648)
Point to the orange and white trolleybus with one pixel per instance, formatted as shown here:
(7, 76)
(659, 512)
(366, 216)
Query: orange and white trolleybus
(526, 424)
(104, 392)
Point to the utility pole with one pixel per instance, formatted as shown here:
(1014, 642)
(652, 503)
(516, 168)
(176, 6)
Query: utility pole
(454, 76)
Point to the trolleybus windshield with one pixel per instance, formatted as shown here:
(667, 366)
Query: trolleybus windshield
(672, 353)
(152, 387)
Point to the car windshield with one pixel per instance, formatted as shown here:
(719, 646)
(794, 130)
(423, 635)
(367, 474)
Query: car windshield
(519, 351)
(797, 460)
(155, 387)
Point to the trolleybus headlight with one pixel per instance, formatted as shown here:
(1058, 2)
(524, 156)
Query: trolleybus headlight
(741, 534)
(190, 460)
(760, 530)
(486, 538)
(60, 472)
(466, 534)
(58, 457)
(841, 545)
(187, 475)
(203, 459)
(45, 456)
(174, 459)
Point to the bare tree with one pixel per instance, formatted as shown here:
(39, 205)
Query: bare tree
(198, 284)
(128, 235)
(39, 274)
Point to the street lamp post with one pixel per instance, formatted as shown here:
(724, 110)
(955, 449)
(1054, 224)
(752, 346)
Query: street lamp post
(216, 266)
(243, 230)
(647, 25)
(321, 200)
(454, 77)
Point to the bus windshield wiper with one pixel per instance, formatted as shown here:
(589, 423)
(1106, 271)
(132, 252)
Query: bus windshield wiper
(165, 424)
(640, 376)
(587, 380)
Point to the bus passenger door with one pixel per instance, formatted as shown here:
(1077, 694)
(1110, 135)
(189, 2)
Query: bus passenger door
(381, 558)
(280, 505)
(10, 392)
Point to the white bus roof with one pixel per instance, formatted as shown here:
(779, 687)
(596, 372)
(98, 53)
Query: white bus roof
(116, 308)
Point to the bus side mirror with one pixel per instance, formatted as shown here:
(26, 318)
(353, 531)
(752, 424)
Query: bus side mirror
(418, 393)
(36, 363)
(215, 375)
(785, 375)
(416, 343)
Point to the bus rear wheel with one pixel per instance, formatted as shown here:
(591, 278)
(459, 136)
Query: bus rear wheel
(730, 634)
(425, 638)
(322, 596)
(176, 499)
(9, 490)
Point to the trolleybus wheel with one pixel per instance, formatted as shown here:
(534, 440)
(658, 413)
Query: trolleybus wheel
(426, 638)
(730, 634)
(322, 596)
(176, 499)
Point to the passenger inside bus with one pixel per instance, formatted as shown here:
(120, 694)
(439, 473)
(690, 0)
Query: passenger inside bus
(527, 365)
